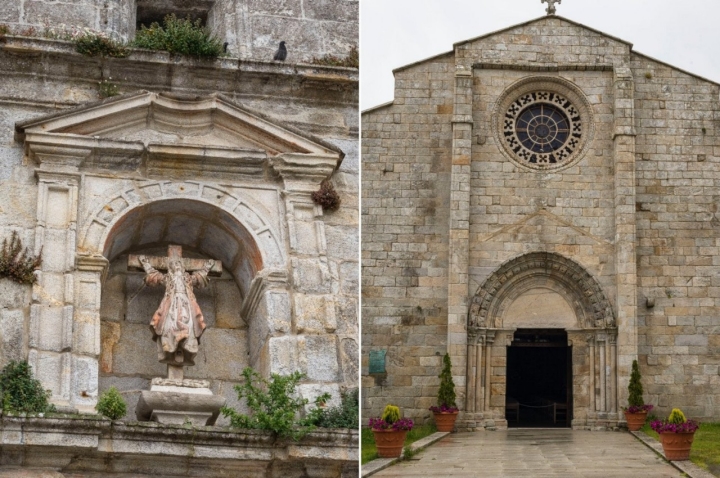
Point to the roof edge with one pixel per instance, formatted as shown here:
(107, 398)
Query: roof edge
(689, 73)
(415, 63)
(455, 45)
(380, 106)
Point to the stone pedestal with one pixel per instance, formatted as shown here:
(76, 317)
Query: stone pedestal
(176, 402)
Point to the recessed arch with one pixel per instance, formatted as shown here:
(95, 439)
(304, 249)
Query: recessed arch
(544, 270)
(207, 220)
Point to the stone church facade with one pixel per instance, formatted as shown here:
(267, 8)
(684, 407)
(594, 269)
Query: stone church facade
(542, 186)
(219, 157)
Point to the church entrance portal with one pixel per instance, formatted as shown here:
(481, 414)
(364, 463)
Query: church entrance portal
(539, 379)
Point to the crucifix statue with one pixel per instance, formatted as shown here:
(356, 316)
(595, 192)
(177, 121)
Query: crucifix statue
(551, 6)
(178, 323)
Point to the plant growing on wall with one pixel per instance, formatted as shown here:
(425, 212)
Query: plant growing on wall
(93, 43)
(274, 405)
(352, 60)
(16, 262)
(21, 392)
(344, 416)
(326, 196)
(111, 404)
(179, 36)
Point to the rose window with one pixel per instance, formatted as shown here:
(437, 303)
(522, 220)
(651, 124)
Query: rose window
(542, 128)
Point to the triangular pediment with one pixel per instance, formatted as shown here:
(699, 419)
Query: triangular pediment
(157, 129)
(542, 223)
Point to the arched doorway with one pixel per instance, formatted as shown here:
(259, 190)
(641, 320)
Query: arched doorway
(541, 345)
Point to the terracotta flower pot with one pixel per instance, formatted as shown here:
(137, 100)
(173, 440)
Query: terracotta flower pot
(445, 421)
(389, 442)
(635, 421)
(677, 445)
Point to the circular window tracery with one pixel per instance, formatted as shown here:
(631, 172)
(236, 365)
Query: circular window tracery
(543, 123)
(542, 128)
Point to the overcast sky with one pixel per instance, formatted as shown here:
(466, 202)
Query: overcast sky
(394, 33)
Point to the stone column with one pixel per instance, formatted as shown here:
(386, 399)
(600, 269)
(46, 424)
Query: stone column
(471, 371)
(309, 344)
(50, 339)
(458, 247)
(625, 233)
(593, 406)
(88, 278)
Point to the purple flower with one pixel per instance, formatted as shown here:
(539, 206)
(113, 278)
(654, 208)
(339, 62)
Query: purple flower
(444, 408)
(662, 426)
(380, 424)
(638, 409)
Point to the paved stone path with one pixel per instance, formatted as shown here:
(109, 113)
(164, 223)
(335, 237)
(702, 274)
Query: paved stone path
(535, 453)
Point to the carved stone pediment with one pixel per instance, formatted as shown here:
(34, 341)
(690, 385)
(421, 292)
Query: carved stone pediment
(164, 134)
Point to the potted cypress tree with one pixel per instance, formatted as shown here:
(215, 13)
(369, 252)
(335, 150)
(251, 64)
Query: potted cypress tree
(390, 431)
(636, 412)
(445, 411)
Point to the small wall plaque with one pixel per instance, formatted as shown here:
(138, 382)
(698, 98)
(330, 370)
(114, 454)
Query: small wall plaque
(377, 361)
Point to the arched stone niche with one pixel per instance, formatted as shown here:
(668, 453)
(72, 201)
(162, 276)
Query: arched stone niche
(542, 290)
(128, 359)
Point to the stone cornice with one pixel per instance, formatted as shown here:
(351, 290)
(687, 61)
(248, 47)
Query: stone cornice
(93, 442)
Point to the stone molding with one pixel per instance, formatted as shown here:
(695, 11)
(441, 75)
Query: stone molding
(564, 275)
(96, 445)
(544, 83)
(98, 225)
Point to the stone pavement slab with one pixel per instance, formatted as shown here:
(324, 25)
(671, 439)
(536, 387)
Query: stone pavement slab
(536, 453)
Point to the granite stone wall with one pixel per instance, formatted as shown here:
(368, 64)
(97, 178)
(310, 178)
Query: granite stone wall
(253, 29)
(41, 77)
(635, 209)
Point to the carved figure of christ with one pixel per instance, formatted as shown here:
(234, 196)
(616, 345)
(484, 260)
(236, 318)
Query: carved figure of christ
(178, 322)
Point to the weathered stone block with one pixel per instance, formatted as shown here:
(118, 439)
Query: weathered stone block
(287, 355)
(14, 295)
(228, 302)
(322, 361)
(314, 314)
(311, 276)
(12, 331)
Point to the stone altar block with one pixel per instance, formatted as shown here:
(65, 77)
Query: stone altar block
(176, 402)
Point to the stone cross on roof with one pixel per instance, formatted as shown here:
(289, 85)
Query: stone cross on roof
(551, 6)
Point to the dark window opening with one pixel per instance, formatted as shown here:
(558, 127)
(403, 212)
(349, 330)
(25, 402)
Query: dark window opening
(539, 379)
(150, 11)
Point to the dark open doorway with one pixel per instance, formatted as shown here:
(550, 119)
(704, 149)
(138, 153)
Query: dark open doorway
(539, 379)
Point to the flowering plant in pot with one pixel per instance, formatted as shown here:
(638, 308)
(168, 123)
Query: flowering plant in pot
(636, 412)
(676, 434)
(446, 411)
(390, 431)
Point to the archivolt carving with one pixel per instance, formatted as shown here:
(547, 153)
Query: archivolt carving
(561, 274)
(98, 225)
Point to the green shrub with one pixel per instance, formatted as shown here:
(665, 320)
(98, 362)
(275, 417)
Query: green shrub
(676, 417)
(111, 404)
(180, 36)
(17, 263)
(98, 44)
(344, 416)
(446, 393)
(20, 392)
(274, 405)
(391, 414)
(635, 388)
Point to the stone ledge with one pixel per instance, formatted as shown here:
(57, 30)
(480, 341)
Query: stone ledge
(95, 445)
(688, 467)
(34, 46)
(381, 463)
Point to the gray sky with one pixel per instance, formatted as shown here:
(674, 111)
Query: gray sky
(393, 33)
